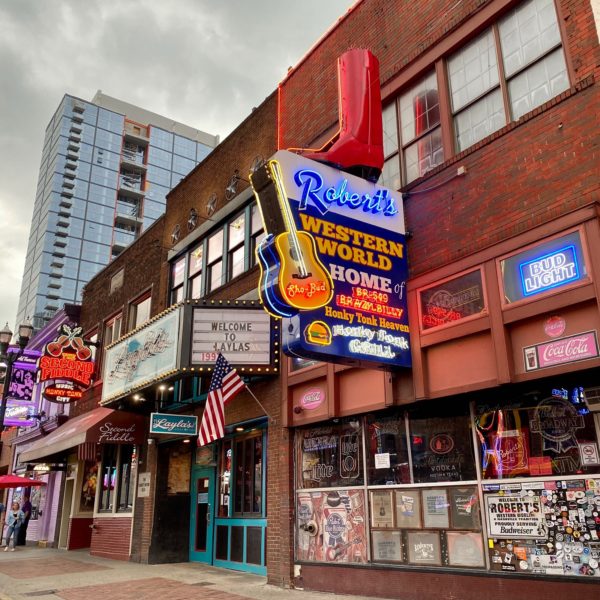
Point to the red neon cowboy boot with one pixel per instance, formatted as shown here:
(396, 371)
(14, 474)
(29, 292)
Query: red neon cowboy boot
(358, 146)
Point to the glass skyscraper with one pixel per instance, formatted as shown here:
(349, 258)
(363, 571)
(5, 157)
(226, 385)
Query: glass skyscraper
(105, 171)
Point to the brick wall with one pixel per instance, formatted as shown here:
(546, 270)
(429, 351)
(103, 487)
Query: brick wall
(110, 537)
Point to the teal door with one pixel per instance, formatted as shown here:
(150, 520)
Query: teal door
(202, 515)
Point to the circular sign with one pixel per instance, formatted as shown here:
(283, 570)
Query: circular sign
(312, 398)
(442, 443)
(555, 326)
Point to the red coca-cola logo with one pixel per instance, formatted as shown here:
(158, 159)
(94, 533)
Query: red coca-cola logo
(555, 326)
(573, 348)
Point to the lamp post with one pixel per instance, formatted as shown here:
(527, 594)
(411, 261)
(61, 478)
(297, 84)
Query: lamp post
(10, 358)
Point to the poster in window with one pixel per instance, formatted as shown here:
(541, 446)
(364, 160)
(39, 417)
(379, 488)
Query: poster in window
(88, 486)
(464, 508)
(408, 508)
(465, 549)
(424, 548)
(435, 508)
(387, 546)
(382, 513)
(331, 526)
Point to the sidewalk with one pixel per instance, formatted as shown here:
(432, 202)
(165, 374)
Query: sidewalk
(51, 574)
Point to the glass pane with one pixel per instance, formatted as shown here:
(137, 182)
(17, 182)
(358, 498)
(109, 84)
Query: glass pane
(196, 260)
(236, 262)
(88, 487)
(390, 129)
(550, 265)
(527, 33)
(257, 496)
(224, 480)
(536, 85)
(419, 109)
(127, 465)
(473, 70)
(387, 454)
(196, 287)
(424, 155)
(479, 120)
(215, 273)
(452, 301)
(442, 448)
(256, 224)
(390, 175)
(142, 312)
(237, 231)
(536, 435)
(239, 477)
(248, 475)
(330, 456)
(177, 271)
(109, 473)
(215, 246)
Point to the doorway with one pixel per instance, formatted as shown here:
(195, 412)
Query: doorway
(202, 515)
(63, 537)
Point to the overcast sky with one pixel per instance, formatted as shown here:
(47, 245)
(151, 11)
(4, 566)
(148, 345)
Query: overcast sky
(205, 63)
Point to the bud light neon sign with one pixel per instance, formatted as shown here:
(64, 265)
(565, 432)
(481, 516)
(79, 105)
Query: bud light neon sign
(549, 271)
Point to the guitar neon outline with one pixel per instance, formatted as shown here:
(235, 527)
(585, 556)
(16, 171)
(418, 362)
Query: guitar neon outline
(293, 278)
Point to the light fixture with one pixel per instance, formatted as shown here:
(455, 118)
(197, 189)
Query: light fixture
(170, 388)
(5, 336)
(186, 441)
(239, 429)
(231, 189)
(162, 387)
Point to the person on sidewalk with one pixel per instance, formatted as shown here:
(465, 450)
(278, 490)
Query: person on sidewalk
(14, 519)
(26, 508)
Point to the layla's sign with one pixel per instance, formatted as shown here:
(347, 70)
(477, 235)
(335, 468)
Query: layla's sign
(334, 263)
(146, 355)
(173, 424)
(68, 362)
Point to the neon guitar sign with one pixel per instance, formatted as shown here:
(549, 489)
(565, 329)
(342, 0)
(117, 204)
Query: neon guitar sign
(293, 278)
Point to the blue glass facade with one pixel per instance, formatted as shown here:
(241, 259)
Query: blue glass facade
(103, 179)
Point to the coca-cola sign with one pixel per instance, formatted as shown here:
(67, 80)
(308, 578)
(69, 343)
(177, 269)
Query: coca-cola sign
(312, 398)
(582, 346)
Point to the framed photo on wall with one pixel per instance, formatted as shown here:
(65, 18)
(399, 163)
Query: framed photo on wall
(424, 548)
(435, 508)
(408, 508)
(387, 546)
(464, 508)
(382, 513)
(465, 549)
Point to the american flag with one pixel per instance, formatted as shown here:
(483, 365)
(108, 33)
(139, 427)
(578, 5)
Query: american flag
(225, 384)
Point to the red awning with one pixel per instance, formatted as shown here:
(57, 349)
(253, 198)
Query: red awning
(99, 426)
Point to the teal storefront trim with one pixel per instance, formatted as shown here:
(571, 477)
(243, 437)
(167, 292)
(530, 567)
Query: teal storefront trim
(238, 538)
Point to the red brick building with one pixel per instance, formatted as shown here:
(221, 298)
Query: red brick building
(477, 471)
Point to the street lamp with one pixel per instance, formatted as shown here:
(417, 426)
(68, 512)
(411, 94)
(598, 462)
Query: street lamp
(10, 358)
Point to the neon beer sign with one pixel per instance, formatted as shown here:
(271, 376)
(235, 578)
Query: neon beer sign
(549, 271)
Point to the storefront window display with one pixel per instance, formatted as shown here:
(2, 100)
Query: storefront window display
(387, 453)
(538, 437)
(88, 486)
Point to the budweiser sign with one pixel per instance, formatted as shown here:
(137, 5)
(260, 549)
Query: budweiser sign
(582, 346)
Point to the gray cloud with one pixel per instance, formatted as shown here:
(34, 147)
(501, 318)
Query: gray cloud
(203, 62)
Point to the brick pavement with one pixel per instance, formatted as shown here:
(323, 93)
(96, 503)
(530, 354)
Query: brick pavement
(28, 568)
(156, 588)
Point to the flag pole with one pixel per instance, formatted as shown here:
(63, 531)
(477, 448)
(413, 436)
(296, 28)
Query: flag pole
(259, 403)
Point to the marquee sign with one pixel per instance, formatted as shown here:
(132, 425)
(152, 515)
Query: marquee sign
(67, 362)
(334, 263)
(143, 356)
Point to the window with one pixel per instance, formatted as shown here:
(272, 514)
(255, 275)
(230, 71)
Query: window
(248, 476)
(195, 271)
(177, 280)
(112, 329)
(215, 261)
(257, 232)
(508, 70)
(118, 478)
(139, 311)
(236, 255)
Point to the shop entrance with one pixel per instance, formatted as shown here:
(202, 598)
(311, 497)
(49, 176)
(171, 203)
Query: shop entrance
(202, 515)
(63, 537)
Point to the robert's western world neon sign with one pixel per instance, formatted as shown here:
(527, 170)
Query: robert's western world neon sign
(333, 264)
